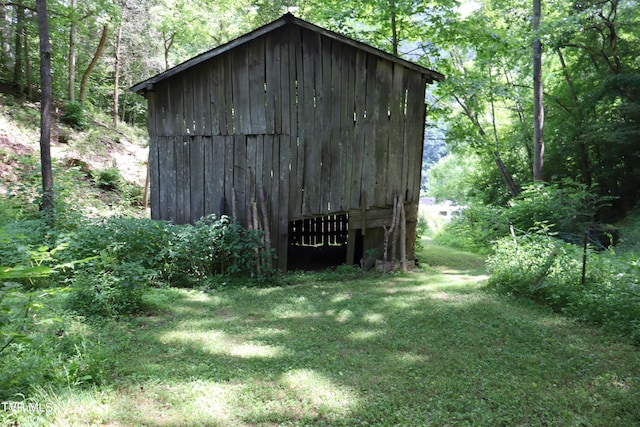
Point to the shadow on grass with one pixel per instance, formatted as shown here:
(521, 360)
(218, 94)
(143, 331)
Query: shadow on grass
(420, 349)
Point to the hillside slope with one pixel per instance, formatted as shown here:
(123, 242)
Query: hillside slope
(76, 154)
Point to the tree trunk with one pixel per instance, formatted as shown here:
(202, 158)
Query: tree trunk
(168, 43)
(27, 70)
(20, 35)
(394, 27)
(72, 54)
(45, 108)
(538, 106)
(116, 78)
(94, 61)
(5, 41)
(502, 168)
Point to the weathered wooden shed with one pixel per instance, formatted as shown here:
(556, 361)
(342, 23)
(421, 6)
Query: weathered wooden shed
(328, 128)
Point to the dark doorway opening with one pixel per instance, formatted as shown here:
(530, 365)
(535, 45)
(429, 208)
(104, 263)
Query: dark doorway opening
(318, 243)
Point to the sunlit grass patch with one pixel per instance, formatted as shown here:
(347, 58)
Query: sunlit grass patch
(424, 348)
(217, 342)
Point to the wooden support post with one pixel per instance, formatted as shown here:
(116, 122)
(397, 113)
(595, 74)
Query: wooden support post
(351, 246)
(403, 237)
(147, 185)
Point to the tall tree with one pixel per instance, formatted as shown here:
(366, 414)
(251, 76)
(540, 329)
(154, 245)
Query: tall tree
(116, 77)
(20, 37)
(72, 52)
(92, 64)
(45, 107)
(538, 106)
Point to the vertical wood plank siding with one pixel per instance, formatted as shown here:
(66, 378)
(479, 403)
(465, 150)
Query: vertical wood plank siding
(311, 121)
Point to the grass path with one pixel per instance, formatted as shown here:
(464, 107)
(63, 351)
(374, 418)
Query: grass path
(428, 348)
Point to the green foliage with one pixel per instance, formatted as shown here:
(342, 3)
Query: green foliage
(564, 209)
(549, 271)
(110, 290)
(567, 208)
(474, 228)
(212, 247)
(123, 240)
(18, 240)
(108, 179)
(74, 115)
(58, 355)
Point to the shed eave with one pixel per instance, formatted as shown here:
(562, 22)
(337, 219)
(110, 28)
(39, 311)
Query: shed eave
(430, 75)
(288, 18)
(141, 87)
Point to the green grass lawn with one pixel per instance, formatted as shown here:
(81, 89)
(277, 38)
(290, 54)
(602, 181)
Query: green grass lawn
(426, 348)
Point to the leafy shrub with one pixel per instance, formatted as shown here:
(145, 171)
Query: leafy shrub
(564, 209)
(567, 208)
(532, 265)
(110, 290)
(125, 240)
(211, 247)
(549, 271)
(474, 228)
(18, 239)
(108, 179)
(74, 115)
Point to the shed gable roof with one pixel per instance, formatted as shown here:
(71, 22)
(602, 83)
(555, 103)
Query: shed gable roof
(287, 19)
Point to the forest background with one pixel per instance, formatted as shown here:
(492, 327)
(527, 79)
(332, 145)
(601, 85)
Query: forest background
(483, 110)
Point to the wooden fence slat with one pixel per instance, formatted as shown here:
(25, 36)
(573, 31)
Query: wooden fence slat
(188, 94)
(226, 91)
(197, 183)
(154, 177)
(312, 146)
(414, 134)
(183, 180)
(288, 82)
(240, 72)
(217, 168)
(209, 166)
(240, 176)
(396, 136)
(217, 100)
(281, 238)
(347, 123)
(297, 131)
(273, 104)
(167, 168)
(256, 88)
(252, 145)
(382, 99)
(359, 140)
(241, 94)
(159, 98)
(323, 123)
(273, 193)
(201, 101)
(368, 167)
(337, 152)
(176, 108)
(229, 151)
